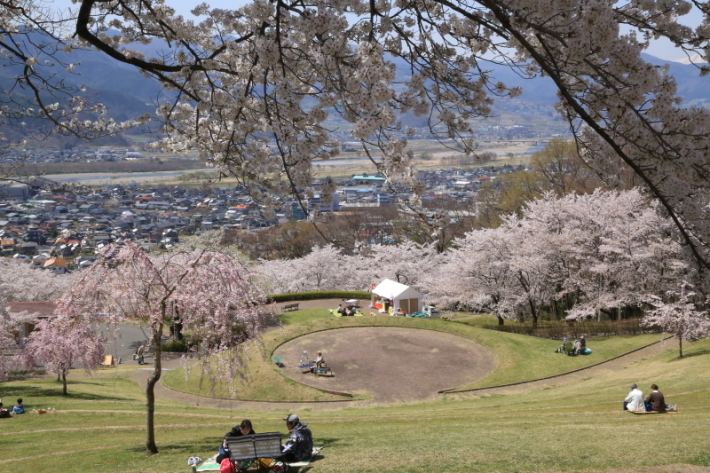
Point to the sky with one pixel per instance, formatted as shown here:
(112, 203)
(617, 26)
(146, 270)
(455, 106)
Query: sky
(662, 49)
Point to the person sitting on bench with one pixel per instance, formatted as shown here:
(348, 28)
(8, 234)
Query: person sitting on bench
(319, 360)
(319, 363)
(299, 446)
(244, 428)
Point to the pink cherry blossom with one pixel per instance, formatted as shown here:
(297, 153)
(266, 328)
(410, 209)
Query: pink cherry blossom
(211, 292)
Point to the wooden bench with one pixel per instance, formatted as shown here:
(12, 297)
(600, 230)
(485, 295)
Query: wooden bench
(289, 307)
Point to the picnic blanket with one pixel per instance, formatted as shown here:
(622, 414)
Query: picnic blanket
(211, 465)
(316, 451)
(672, 410)
(338, 314)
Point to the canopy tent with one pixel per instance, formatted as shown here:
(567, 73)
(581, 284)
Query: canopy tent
(398, 296)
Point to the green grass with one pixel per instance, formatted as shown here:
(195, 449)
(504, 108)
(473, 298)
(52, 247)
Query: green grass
(569, 426)
(520, 357)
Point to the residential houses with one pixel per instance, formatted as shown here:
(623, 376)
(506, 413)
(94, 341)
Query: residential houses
(63, 227)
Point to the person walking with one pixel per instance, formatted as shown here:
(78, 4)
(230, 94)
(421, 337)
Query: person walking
(140, 353)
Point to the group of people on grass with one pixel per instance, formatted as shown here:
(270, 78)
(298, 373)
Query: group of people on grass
(654, 402)
(348, 310)
(18, 408)
(298, 447)
(579, 347)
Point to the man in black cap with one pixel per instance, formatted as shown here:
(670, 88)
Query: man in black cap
(299, 446)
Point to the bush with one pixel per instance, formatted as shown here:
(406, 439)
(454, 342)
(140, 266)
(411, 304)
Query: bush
(309, 296)
(180, 346)
(559, 330)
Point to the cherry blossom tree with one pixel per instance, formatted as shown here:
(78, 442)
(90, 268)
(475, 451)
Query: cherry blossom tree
(212, 292)
(23, 282)
(599, 252)
(407, 263)
(677, 313)
(477, 274)
(61, 342)
(323, 269)
(611, 250)
(254, 85)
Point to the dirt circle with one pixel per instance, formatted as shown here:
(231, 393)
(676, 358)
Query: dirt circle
(389, 363)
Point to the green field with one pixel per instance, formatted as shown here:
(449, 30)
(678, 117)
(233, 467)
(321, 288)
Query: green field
(569, 425)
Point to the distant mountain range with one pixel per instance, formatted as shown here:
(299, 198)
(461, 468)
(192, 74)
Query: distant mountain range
(128, 94)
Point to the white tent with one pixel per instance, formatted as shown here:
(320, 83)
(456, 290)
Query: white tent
(401, 298)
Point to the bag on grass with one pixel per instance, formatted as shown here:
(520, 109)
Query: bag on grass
(227, 466)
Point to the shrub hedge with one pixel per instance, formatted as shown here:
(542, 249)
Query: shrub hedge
(180, 346)
(559, 330)
(309, 296)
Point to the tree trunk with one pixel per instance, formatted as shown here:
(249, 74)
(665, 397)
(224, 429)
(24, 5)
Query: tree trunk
(500, 320)
(553, 305)
(533, 314)
(150, 394)
(680, 346)
(64, 383)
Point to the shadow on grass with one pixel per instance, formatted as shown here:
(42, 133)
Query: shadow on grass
(702, 460)
(34, 391)
(690, 354)
(326, 442)
(192, 448)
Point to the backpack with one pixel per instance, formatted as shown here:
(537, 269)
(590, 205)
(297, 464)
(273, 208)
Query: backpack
(227, 466)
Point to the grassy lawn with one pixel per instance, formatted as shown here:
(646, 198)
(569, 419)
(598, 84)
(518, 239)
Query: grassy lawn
(520, 357)
(565, 427)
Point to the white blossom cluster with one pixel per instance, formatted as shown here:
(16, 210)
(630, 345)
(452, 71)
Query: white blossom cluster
(327, 268)
(603, 251)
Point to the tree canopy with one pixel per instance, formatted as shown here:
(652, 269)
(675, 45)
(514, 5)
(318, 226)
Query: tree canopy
(210, 293)
(254, 87)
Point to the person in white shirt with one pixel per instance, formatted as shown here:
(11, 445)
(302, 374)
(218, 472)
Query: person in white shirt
(634, 401)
